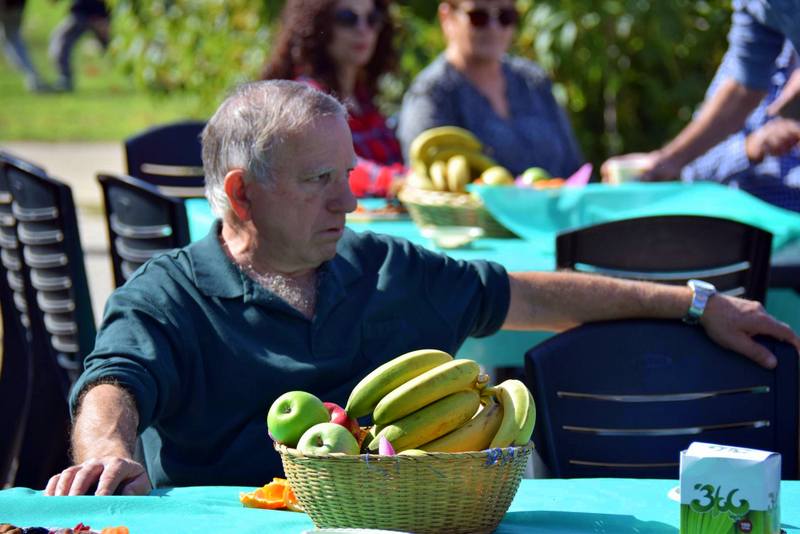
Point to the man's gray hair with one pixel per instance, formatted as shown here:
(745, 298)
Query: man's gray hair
(250, 126)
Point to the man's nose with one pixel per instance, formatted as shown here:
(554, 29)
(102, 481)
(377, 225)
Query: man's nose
(343, 199)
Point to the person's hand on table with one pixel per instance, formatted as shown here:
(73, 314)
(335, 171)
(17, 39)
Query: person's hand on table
(111, 474)
(775, 138)
(732, 322)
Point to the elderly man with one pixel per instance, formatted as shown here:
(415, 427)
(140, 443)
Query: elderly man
(281, 296)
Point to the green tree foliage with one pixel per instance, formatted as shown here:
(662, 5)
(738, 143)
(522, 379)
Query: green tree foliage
(630, 72)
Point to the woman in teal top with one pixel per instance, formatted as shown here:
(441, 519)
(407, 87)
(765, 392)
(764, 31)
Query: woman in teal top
(507, 102)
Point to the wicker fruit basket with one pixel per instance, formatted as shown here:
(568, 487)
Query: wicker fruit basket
(442, 208)
(431, 493)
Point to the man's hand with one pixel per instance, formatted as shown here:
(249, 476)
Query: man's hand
(775, 138)
(732, 323)
(111, 475)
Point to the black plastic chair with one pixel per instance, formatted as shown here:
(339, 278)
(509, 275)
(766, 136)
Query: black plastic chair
(169, 157)
(59, 310)
(141, 222)
(623, 398)
(672, 249)
(16, 371)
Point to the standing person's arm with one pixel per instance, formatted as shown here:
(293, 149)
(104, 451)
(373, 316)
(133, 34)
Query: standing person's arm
(103, 444)
(557, 301)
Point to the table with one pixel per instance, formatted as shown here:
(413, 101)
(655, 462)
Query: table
(538, 216)
(553, 506)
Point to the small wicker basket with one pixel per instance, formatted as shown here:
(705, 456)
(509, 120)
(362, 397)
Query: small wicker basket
(442, 208)
(431, 493)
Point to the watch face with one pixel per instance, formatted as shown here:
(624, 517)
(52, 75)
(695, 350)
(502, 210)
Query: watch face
(702, 285)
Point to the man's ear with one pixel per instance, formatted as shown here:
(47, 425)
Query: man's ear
(236, 191)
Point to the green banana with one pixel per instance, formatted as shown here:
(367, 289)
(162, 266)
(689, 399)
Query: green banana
(474, 435)
(458, 175)
(519, 413)
(426, 388)
(387, 377)
(430, 422)
(441, 135)
(438, 175)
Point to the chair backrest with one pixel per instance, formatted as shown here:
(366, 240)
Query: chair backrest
(60, 320)
(623, 398)
(170, 157)
(141, 222)
(673, 249)
(16, 363)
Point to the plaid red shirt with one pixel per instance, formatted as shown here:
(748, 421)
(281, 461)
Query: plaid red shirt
(380, 159)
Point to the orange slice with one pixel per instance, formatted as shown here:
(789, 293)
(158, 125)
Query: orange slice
(275, 495)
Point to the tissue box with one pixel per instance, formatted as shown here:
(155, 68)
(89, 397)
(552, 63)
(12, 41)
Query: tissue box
(729, 490)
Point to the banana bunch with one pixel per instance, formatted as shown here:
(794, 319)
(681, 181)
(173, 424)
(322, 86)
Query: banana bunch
(446, 158)
(427, 400)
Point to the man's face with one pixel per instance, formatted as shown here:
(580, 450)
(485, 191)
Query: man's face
(487, 42)
(300, 213)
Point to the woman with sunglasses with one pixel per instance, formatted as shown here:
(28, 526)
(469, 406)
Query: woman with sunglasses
(506, 101)
(343, 47)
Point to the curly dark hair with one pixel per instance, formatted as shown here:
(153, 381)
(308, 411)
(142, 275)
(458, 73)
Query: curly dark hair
(301, 45)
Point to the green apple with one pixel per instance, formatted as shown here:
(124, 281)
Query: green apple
(534, 174)
(325, 438)
(292, 414)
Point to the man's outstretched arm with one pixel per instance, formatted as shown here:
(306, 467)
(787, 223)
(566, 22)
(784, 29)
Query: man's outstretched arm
(103, 444)
(561, 300)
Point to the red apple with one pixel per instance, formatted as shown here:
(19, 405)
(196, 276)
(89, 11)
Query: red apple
(340, 417)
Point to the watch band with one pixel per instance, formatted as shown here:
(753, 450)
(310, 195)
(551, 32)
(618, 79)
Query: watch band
(701, 292)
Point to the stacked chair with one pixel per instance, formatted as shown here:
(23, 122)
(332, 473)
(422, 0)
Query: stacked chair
(169, 157)
(141, 221)
(46, 274)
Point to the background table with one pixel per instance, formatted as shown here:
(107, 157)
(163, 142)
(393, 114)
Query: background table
(538, 216)
(554, 506)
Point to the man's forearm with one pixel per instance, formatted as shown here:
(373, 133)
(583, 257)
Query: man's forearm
(557, 301)
(105, 424)
(722, 115)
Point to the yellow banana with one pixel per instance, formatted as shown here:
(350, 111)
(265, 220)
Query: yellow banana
(478, 162)
(474, 435)
(430, 422)
(426, 388)
(438, 175)
(458, 175)
(373, 387)
(441, 135)
(419, 180)
(526, 431)
(517, 413)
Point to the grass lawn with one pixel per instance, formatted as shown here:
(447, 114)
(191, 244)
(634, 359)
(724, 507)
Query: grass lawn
(104, 106)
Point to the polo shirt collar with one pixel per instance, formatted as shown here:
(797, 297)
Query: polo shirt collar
(217, 276)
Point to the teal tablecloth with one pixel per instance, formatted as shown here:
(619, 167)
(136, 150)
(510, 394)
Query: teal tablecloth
(537, 216)
(552, 506)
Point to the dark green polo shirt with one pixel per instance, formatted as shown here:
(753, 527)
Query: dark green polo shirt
(205, 350)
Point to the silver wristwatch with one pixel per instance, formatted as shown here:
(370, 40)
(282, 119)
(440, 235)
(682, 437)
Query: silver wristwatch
(701, 292)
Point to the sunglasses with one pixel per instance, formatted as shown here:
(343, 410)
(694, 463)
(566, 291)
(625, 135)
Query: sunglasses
(347, 18)
(505, 16)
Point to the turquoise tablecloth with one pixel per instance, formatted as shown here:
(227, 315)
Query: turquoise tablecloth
(537, 216)
(552, 506)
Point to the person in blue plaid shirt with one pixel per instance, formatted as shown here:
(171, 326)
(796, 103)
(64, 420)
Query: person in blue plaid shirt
(750, 159)
(759, 32)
